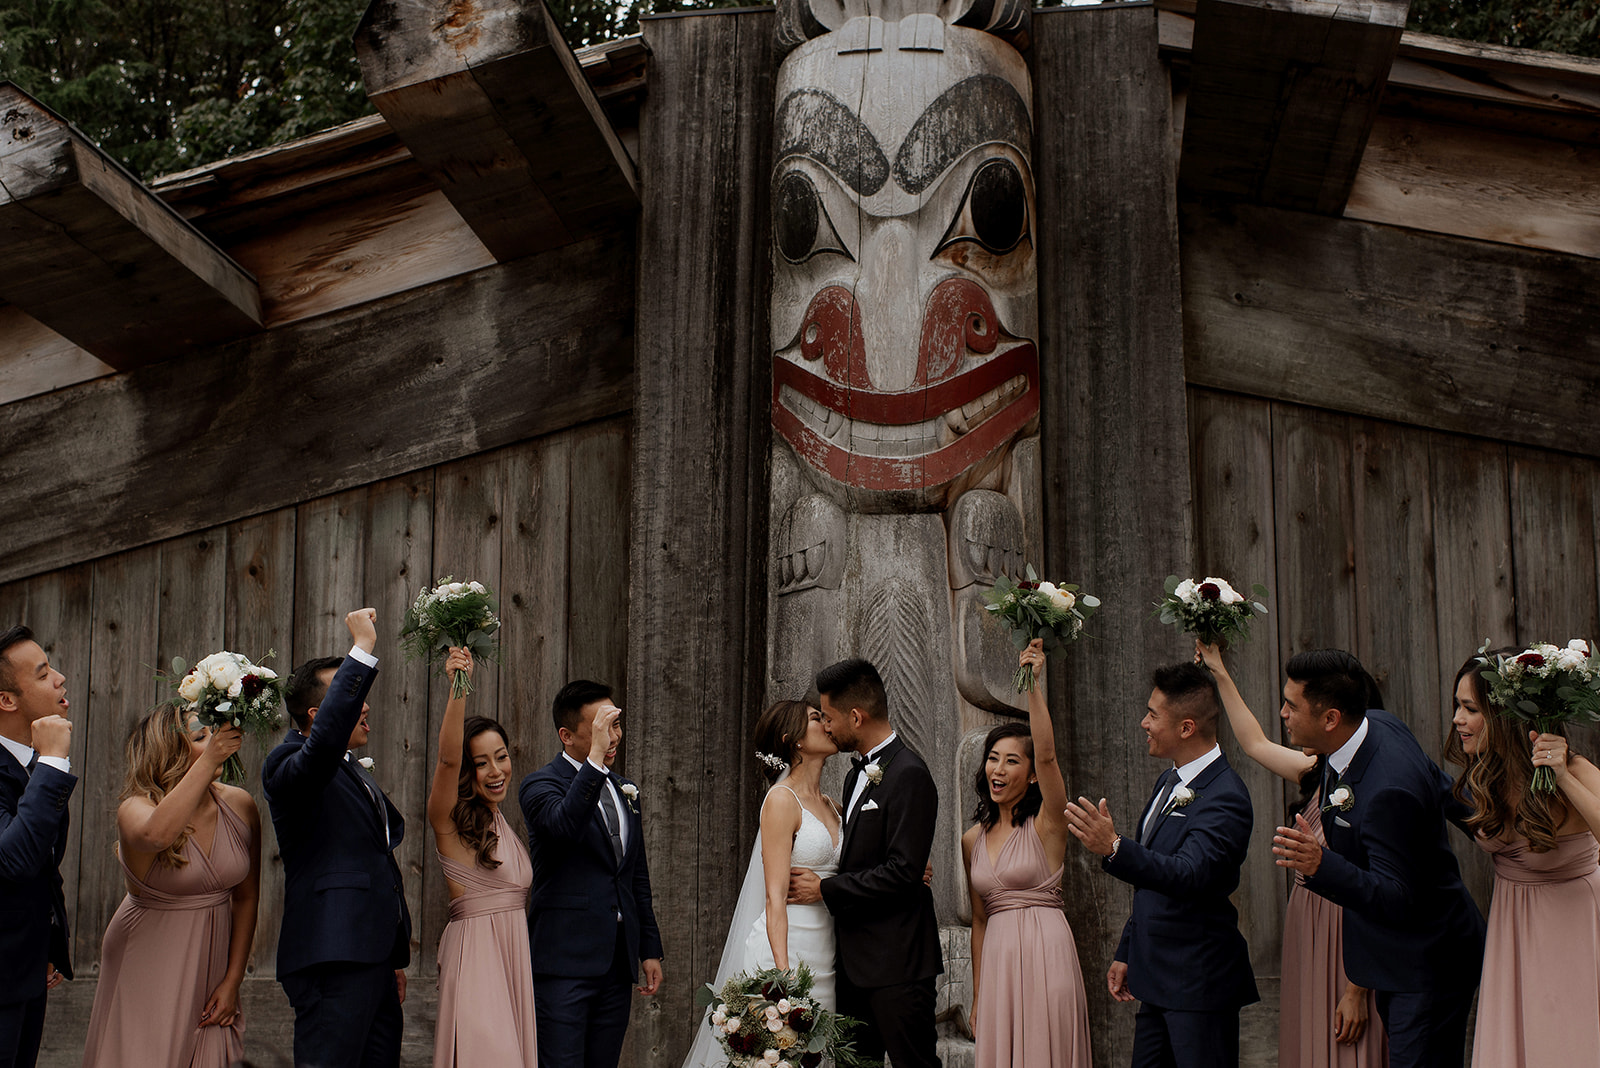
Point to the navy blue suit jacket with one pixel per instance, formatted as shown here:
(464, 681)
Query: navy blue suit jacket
(343, 899)
(1409, 923)
(578, 887)
(33, 912)
(1182, 943)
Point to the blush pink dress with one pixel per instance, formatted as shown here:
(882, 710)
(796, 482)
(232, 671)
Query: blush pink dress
(1031, 1006)
(485, 973)
(1314, 981)
(165, 951)
(1539, 1005)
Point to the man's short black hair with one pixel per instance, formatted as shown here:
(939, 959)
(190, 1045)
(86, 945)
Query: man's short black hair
(307, 689)
(1194, 690)
(15, 636)
(854, 683)
(1334, 679)
(568, 708)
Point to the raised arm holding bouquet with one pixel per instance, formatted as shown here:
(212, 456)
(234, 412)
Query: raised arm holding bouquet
(1210, 609)
(1032, 610)
(460, 614)
(227, 690)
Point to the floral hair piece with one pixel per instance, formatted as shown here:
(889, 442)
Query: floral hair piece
(773, 762)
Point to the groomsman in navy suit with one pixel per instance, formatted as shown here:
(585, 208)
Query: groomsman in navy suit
(591, 926)
(346, 929)
(1181, 953)
(1411, 931)
(35, 781)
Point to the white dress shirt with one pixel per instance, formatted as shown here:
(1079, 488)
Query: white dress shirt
(1340, 758)
(861, 780)
(1187, 773)
(24, 753)
(622, 824)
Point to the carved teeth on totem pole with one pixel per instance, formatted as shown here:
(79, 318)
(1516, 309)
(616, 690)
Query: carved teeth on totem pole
(811, 540)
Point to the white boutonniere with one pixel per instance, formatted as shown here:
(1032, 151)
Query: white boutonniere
(631, 792)
(873, 772)
(1341, 797)
(366, 762)
(1182, 797)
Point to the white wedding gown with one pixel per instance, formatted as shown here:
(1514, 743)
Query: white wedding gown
(810, 929)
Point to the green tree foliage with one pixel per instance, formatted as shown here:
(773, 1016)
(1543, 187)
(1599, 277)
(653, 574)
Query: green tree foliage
(1571, 26)
(588, 22)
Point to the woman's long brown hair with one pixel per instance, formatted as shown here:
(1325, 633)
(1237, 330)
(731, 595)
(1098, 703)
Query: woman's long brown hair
(1495, 782)
(158, 758)
(473, 819)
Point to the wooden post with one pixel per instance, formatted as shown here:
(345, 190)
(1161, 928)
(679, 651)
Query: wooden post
(490, 101)
(1282, 97)
(698, 582)
(100, 259)
(1114, 427)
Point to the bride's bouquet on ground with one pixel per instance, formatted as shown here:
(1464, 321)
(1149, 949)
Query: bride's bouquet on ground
(1545, 686)
(452, 613)
(1029, 609)
(1211, 609)
(768, 1019)
(227, 690)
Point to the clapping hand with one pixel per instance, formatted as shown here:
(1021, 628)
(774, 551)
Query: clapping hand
(1092, 825)
(1297, 848)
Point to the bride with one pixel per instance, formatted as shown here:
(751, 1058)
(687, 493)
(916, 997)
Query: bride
(799, 828)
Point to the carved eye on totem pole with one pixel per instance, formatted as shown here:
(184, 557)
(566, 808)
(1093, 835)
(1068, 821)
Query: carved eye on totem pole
(904, 305)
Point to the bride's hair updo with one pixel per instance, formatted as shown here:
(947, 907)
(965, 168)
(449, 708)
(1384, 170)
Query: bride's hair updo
(778, 734)
(158, 758)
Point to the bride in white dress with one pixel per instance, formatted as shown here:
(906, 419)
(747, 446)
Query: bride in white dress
(800, 827)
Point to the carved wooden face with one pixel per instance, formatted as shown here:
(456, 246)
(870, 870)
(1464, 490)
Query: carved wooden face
(904, 305)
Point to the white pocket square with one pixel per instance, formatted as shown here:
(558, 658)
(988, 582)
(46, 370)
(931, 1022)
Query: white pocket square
(1340, 821)
(1179, 815)
(870, 806)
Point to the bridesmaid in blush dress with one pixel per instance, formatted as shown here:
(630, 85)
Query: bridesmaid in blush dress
(1324, 1020)
(485, 974)
(1539, 1004)
(1028, 1003)
(174, 954)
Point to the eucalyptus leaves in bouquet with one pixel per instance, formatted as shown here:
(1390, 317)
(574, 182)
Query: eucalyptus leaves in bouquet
(227, 690)
(1211, 609)
(1030, 609)
(461, 614)
(1544, 686)
(768, 1019)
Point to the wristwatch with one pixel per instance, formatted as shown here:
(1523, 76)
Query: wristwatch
(1116, 844)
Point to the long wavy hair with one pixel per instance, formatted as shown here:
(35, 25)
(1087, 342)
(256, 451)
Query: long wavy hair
(1495, 782)
(472, 816)
(987, 812)
(157, 754)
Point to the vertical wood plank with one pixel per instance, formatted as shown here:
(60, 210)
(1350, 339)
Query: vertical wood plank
(1231, 452)
(597, 554)
(1473, 591)
(258, 619)
(1114, 429)
(193, 600)
(1394, 555)
(1553, 550)
(698, 539)
(329, 576)
(121, 689)
(1315, 535)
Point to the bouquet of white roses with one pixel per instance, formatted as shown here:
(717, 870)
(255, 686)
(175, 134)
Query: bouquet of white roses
(452, 613)
(227, 690)
(1031, 609)
(1210, 609)
(1545, 686)
(769, 1020)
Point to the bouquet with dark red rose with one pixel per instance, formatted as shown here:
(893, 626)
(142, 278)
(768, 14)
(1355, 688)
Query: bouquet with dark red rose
(1545, 686)
(1030, 609)
(1211, 609)
(768, 1019)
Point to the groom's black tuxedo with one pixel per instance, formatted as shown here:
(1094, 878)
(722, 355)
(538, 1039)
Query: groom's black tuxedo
(1411, 931)
(882, 911)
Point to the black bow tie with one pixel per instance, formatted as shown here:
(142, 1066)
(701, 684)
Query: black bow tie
(858, 762)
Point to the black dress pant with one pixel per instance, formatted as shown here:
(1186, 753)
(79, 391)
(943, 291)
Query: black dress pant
(1176, 1038)
(1426, 1028)
(898, 1020)
(21, 1027)
(583, 1019)
(346, 1015)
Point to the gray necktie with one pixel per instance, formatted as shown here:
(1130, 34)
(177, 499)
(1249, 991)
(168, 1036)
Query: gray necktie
(1169, 780)
(608, 808)
(33, 762)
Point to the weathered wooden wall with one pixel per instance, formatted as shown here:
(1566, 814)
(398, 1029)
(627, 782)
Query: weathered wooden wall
(544, 522)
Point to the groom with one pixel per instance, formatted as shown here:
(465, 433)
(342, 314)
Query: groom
(882, 909)
(1411, 931)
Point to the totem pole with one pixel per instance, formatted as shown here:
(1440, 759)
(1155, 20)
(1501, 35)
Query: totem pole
(905, 386)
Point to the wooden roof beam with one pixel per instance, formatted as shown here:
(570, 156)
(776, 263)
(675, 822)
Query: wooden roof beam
(1283, 95)
(95, 256)
(495, 108)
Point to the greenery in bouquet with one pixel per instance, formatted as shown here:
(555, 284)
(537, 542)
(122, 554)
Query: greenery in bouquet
(227, 690)
(1211, 609)
(460, 614)
(768, 1019)
(1029, 609)
(1545, 686)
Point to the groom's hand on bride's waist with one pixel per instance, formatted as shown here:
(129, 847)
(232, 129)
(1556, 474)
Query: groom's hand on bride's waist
(804, 887)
